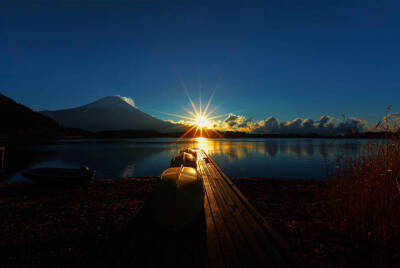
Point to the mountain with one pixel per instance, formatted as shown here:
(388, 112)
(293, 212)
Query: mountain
(110, 113)
(18, 121)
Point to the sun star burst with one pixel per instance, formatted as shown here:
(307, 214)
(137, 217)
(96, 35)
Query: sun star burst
(200, 119)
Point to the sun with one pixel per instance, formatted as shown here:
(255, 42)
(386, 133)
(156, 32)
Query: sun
(201, 121)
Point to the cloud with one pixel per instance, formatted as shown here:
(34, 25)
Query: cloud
(235, 122)
(325, 125)
(270, 125)
(180, 122)
(127, 100)
(246, 123)
(352, 125)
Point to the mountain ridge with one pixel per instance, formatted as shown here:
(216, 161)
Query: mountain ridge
(18, 120)
(108, 114)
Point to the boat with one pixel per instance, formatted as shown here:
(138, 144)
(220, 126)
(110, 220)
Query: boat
(185, 159)
(53, 175)
(178, 198)
(190, 151)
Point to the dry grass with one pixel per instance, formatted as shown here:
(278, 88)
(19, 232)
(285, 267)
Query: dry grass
(365, 199)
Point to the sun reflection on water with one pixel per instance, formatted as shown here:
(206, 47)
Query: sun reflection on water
(203, 143)
(272, 148)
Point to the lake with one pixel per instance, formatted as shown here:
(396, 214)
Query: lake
(257, 157)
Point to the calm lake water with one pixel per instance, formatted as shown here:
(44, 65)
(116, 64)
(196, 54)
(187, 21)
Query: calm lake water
(273, 158)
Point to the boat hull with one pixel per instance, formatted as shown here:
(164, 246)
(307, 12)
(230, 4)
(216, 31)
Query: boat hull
(178, 198)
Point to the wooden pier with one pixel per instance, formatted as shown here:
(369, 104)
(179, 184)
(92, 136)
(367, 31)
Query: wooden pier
(228, 233)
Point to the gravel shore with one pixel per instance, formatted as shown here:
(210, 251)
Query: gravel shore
(64, 226)
(300, 211)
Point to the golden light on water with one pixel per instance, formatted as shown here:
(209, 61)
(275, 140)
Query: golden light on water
(234, 150)
(202, 143)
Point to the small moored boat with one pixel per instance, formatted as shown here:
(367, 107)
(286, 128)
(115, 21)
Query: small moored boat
(53, 175)
(185, 159)
(178, 198)
(190, 151)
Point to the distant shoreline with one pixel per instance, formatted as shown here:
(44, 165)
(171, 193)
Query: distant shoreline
(117, 136)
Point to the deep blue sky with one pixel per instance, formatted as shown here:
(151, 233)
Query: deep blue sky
(282, 58)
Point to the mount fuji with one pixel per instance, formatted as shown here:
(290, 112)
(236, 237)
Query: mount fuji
(110, 113)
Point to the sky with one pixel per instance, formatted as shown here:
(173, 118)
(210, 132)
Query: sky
(281, 59)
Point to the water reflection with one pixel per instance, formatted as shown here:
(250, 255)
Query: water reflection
(241, 148)
(290, 158)
(293, 158)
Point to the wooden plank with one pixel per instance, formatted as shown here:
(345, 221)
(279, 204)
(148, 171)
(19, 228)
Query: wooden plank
(242, 245)
(255, 233)
(263, 247)
(214, 254)
(276, 249)
(251, 250)
(228, 249)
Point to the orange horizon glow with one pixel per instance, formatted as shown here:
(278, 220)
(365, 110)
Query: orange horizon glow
(199, 118)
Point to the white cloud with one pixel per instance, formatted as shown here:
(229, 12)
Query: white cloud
(127, 100)
(325, 125)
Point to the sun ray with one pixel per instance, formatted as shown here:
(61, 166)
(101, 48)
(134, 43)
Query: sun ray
(190, 112)
(180, 116)
(200, 104)
(190, 99)
(187, 131)
(172, 114)
(209, 102)
(217, 116)
(205, 130)
(199, 120)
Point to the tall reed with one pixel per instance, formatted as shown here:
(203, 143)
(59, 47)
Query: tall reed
(365, 198)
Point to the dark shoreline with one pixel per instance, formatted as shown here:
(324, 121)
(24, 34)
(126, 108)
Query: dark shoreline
(65, 226)
(301, 212)
(73, 226)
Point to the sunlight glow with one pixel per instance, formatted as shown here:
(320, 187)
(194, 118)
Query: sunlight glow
(201, 121)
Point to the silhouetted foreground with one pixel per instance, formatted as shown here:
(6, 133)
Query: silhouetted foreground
(228, 232)
(301, 212)
(73, 227)
(20, 124)
(54, 226)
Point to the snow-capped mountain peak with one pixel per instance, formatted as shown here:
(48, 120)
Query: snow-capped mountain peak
(111, 102)
(109, 113)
